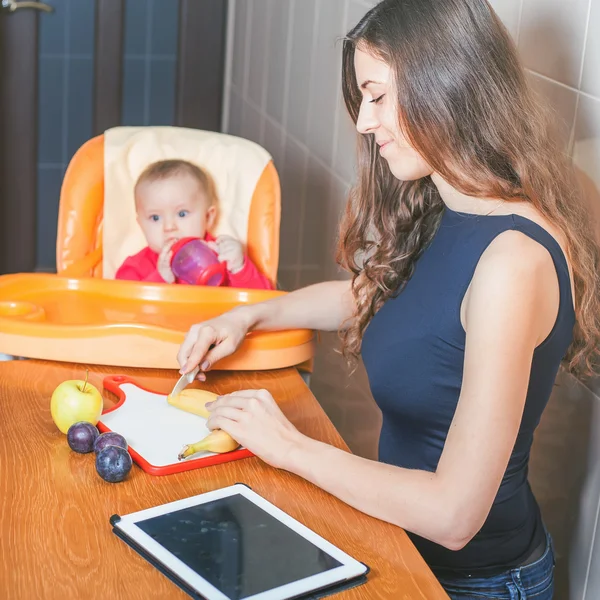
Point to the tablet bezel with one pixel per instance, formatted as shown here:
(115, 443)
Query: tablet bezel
(349, 569)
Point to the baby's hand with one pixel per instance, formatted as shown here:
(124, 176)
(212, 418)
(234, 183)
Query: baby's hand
(230, 251)
(163, 265)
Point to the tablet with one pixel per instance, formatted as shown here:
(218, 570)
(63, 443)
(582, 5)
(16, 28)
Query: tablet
(232, 544)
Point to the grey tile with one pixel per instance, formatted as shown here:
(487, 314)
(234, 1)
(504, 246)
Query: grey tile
(81, 26)
(165, 27)
(239, 45)
(235, 114)
(592, 588)
(316, 201)
(259, 39)
(593, 384)
(276, 59)
(286, 279)
(345, 153)
(292, 197)
(48, 194)
(300, 76)
(309, 276)
(338, 195)
(50, 110)
(162, 92)
(565, 475)
(326, 79)
(591, 66)
(356, 11)
(586, 527)
(551, 37)
(134, 78)
(80, 98)
(273, 143)
(345, 157)
(508, 11)
(346, 398)
(136, 25)
(52, 29)
(561, 101)
(251, 123)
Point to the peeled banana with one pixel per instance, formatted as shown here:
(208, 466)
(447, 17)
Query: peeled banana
(216, 441)
(194, 401)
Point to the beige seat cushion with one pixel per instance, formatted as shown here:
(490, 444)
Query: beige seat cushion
(235, 164)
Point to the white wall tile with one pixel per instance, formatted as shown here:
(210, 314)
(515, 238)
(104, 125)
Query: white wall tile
(551, 37)
(561, 101)
(586, 157)
(509, 11)
(591, 67)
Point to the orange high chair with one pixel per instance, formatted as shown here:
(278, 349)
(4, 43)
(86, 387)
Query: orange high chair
(81, 314)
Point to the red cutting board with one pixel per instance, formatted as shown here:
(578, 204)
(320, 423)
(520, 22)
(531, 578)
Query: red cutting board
(156, 431)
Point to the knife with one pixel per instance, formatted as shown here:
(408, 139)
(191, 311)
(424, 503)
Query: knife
(184, 381)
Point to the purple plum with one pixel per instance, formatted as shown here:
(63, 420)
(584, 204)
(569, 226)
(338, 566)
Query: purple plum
(113, 463)
(81, 437)
(110, 438)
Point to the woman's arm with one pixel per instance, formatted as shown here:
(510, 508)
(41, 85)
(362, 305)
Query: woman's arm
(510, 308)
(324, 306)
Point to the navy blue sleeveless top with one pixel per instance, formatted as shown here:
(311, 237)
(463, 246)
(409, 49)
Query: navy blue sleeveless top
(413, 351)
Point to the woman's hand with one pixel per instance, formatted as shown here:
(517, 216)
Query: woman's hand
(254, 420)
(212, 340)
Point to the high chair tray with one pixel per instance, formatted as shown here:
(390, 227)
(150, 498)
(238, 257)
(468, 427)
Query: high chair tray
(130, 324)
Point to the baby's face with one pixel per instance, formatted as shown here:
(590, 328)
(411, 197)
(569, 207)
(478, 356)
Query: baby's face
(171, 209)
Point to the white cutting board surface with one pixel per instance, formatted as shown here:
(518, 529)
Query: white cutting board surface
(153, 428)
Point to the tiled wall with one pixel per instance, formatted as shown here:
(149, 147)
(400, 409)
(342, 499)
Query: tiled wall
(150, 62)
(284, 93)
(65, 87)
(66, 90)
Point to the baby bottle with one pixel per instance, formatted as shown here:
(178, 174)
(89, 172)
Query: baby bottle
(193, 262)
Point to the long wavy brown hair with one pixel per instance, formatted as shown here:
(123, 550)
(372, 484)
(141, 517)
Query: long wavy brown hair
(465, 106)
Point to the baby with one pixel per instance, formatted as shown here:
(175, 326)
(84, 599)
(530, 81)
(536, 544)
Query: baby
(176, 199)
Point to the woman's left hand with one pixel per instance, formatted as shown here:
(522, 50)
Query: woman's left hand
(253, 419)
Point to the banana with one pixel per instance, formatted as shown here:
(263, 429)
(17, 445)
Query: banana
(193, 401)
(216, 441)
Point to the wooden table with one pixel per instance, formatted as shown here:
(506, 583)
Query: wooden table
(54, 511)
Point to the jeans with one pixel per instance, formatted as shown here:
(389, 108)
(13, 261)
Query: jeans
(530, 582)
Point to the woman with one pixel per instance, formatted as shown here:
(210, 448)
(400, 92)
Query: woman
(474, 275)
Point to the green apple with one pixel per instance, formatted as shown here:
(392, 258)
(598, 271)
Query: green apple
(74, 401)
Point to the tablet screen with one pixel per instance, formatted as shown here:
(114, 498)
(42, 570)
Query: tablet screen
(237, 547)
